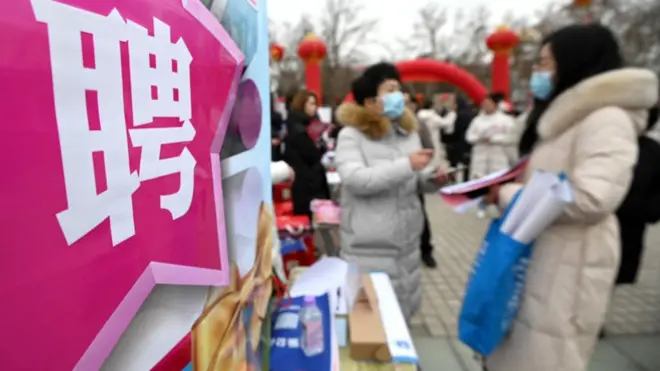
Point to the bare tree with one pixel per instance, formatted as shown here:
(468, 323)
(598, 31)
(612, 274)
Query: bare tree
(469, 36)
(636, 26)
(289, 36)
(346, 34)
(432, 20)
(633, 21)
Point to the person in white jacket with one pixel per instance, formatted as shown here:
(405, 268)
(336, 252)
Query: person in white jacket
(435, 122)
(490, 134)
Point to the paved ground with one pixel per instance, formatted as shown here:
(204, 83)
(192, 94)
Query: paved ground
(635, 309)
(619, 353)
(634, 316)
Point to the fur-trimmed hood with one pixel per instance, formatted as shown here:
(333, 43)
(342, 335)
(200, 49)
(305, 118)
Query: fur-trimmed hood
(631, 89)
(370, 123)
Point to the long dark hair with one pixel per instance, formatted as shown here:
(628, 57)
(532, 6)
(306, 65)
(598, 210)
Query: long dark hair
(580, 52)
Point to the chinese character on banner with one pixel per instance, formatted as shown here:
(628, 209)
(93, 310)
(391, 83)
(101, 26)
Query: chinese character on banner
(91, 120)
(293, 343)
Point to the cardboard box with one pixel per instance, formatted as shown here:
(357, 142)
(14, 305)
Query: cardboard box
(377, 328)
(366, 331)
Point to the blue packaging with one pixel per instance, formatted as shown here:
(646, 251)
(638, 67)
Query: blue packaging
(286, 353)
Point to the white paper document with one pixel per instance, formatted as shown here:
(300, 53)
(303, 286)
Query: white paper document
(460, 187)
(325, 114)
(538, 185)
(543, 199)
(325, 276)
(333, 178)
(336, 277)
(497, 177)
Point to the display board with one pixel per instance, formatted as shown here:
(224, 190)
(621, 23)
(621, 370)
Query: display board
(137, 230)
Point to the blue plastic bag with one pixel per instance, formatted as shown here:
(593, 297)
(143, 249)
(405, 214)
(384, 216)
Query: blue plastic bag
(291, 245)
(286, 353)
(494, 290)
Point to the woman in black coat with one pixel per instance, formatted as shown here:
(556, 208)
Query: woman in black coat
(640, 207)
(459, 150)
(304, 154)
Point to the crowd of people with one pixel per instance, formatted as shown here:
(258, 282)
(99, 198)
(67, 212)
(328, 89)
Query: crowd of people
(588, 120)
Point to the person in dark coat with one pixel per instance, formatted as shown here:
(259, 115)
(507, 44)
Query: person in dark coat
(641, 206)
(275, 131)
(304, 154)
(426, 139)
(459, 149)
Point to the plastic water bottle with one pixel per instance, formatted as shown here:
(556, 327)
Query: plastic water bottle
(311, 318)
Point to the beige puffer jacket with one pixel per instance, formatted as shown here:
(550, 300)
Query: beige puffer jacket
(590, 133)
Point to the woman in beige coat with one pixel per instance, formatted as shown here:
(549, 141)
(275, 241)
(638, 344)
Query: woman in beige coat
(587, 127)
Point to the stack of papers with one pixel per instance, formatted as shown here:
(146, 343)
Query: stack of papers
(540, 203)
(463, 196)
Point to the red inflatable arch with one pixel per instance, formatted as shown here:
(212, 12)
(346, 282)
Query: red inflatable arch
(428, 70)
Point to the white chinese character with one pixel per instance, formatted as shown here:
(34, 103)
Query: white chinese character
(72, 81)
(79, 86)
(160, 87)
(160, 74)
(293, 343)
(152, 166)
(281, 342)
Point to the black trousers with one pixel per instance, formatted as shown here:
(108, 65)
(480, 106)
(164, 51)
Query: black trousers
(425, 243)
(459, 156)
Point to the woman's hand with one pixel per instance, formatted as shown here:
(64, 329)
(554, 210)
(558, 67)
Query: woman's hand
(420, 159)
(442, 177)
(493, 196)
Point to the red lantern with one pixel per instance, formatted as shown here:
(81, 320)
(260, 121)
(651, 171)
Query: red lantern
(502, 43)
(583, 6)
(276, 52)
(312, 49)
(582, 3)
(503, 40)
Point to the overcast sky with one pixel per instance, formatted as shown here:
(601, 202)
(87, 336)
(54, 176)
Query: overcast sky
(397, 17)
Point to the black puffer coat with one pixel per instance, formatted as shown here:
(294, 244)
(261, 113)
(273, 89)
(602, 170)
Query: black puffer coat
(304, 156)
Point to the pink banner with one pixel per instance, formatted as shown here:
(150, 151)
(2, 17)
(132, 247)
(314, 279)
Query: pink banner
(111, 179)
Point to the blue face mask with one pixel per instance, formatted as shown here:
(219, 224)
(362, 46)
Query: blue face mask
(393, 104)
(541, 84)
